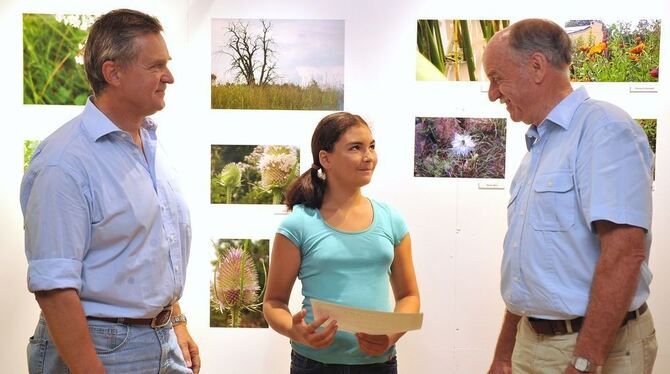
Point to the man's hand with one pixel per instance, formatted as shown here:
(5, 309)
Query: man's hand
(500, 367)
(188, 347)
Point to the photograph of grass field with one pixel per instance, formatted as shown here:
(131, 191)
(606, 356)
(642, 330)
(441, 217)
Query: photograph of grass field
(53, 71)
(459, 147)
(238, 283)
(29, 147)
(614, 51)
(277, 64)
(252, 174)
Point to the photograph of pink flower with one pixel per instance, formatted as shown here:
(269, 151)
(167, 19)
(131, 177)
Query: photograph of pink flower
(615, 51)
(459, 147)
(252, 174)
(238, 283)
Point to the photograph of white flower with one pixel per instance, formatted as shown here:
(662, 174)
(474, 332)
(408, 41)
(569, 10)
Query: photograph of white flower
(459, 147)
(238, 283)
(252, 174)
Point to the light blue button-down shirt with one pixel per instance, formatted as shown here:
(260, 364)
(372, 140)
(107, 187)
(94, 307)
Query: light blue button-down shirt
(587, 161)
(104, 220)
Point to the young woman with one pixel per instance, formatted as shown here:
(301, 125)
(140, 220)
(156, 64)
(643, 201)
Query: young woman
(344, 248)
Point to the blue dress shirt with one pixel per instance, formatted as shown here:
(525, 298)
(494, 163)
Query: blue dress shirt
(587, 161)
(104, 220)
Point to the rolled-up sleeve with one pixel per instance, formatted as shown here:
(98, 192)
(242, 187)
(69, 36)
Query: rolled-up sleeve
(57, 228)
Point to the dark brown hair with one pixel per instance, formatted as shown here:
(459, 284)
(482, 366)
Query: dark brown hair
(112, 38)
(539, 35)
(308, 189)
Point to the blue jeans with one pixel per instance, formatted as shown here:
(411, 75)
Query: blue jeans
(303, 365)
(121, 348)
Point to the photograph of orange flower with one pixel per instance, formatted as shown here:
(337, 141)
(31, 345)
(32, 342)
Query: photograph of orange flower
(620, 51)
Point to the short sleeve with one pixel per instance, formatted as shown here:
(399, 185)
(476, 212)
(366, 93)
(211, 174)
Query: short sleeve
(293, 225)
(57, 229)
(398, 226)
(614, 176)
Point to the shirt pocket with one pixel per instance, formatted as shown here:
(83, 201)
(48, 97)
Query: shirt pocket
(511, 204)
(554, 204)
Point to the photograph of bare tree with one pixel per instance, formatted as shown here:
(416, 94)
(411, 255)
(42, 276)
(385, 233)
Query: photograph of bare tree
(277, 64)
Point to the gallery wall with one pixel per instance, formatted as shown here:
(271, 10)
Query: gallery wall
(456, 224)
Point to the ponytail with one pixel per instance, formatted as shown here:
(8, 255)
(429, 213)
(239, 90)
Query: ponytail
(308, 189)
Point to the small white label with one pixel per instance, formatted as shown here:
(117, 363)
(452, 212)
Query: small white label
(643, 89)
(491, 186)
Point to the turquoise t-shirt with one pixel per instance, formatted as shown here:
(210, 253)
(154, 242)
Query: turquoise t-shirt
(349, 268)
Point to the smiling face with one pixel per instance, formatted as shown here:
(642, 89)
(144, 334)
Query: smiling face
(143, 81)
(510, 81)
(353, 158)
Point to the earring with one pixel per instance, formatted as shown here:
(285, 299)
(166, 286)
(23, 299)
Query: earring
(321, 174)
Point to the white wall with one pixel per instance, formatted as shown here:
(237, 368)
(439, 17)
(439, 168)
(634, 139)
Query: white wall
(457, 229)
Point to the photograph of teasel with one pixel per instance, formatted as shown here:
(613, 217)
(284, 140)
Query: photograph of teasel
(252, 174)
(238, 283)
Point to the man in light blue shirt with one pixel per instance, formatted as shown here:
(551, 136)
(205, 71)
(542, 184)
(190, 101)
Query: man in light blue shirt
(107, 232)
(575, 276)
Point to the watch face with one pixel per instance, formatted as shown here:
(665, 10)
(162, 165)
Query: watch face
(581, 363)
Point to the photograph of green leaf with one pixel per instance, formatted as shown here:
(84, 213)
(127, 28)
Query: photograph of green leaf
(614, 51)
(277, 64)
(459, 147)
(252, 174)
(649, 127)
(453, 49)
(238, 283)
(53, 71)
(29, 147)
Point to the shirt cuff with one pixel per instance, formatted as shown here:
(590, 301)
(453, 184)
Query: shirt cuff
(51, 274)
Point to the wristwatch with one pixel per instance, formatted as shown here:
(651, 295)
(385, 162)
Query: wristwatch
(178, 319)
(583, 365)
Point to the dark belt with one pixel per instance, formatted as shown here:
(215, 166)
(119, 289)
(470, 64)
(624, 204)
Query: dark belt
(562, 327)
(161, 319)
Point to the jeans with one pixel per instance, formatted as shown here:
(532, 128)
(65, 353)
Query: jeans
(121, 348)
(303, 365)
(633, 352)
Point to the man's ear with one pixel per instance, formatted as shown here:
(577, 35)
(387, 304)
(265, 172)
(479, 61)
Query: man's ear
(323, 159)
(538, 65)
(111, 71)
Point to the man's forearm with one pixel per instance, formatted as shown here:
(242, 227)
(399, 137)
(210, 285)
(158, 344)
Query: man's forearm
(507, 338)
(69, 330)
(614, 284)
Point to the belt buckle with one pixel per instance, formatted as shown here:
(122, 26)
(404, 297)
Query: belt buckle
(162, 318)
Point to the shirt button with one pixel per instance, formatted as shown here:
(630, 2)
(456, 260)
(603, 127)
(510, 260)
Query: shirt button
(515, 245)
(550, 183)
(516, 279)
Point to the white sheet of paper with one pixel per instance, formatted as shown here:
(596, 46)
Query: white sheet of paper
(367, 321)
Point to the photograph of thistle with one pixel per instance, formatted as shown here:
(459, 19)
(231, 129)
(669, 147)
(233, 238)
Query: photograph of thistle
(53, 71)
(459, 147)
(29, 147)
(238, 283)
(277, 64)
(614, 51)
(453, 49)
(252, 174)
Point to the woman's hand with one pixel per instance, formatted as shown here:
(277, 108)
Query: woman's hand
(374, 345)
(307, 334)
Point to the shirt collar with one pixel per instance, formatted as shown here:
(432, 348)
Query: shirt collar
(562, 113)
(97, 125)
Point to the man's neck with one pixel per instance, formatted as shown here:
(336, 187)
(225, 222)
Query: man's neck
(120, 116)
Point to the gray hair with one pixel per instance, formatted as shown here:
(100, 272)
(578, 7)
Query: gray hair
(539, 35)
(112, 39)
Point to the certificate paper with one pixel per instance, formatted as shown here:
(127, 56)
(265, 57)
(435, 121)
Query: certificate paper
(367, 321)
